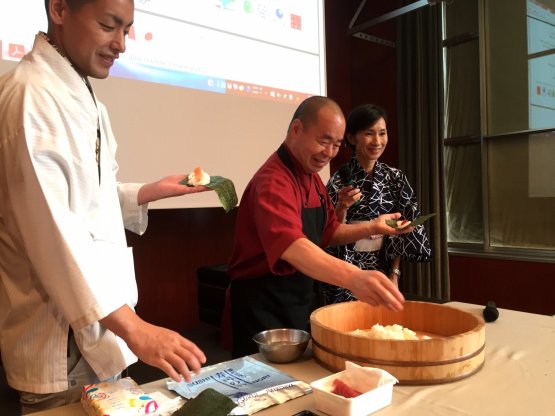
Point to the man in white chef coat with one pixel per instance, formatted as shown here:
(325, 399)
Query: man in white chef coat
(67, 284)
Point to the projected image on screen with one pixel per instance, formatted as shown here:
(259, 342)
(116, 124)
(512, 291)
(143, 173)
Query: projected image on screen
(223, 46)
(211, 44)
(209, 83)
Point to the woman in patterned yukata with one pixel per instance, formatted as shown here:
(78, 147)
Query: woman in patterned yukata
(376, 189)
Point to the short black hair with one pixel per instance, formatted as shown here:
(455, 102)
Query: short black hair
(73, 4)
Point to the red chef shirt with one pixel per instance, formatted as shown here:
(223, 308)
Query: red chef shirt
(269, 218)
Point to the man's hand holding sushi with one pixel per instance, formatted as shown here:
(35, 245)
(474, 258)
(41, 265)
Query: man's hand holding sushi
(166, 188)
(154, 345)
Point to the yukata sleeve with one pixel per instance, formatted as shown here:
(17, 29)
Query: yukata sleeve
(333, 187)
(413, 247)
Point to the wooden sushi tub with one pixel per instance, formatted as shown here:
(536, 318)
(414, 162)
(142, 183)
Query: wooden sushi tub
(455, 350)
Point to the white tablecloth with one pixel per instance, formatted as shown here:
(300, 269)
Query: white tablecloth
(518, 377)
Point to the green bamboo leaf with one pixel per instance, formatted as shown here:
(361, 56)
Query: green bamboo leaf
(391, 223)
(420, 220)
(417, 221)
(224, 188)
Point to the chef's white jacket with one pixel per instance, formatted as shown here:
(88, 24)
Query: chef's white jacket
(64, 259)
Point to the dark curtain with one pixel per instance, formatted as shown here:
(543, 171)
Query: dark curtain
(420, 118)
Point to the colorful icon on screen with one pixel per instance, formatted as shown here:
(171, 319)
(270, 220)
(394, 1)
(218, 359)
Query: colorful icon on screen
(16, 51)
(296, 22)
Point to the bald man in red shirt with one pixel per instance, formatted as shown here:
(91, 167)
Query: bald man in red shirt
(285, 218)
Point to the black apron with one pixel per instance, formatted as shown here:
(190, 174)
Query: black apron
(273, 301)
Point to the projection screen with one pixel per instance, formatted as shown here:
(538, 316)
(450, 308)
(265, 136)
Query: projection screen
(209, 83)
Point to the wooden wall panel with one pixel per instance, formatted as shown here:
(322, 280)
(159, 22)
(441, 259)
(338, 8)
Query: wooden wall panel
(512, 284)
(176, 243)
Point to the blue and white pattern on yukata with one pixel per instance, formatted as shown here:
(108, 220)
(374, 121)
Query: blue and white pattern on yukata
(386, 191)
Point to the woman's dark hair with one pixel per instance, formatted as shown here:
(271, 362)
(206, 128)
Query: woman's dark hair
(364, 116)
(361, 118)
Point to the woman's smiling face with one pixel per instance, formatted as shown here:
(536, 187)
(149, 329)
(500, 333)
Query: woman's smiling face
(371, 142)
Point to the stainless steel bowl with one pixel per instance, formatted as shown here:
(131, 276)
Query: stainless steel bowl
(282, 345)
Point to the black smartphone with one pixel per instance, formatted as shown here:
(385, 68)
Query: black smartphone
(305, 413)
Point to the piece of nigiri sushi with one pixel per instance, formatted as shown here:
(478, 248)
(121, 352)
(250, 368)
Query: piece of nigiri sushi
(198, 177)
